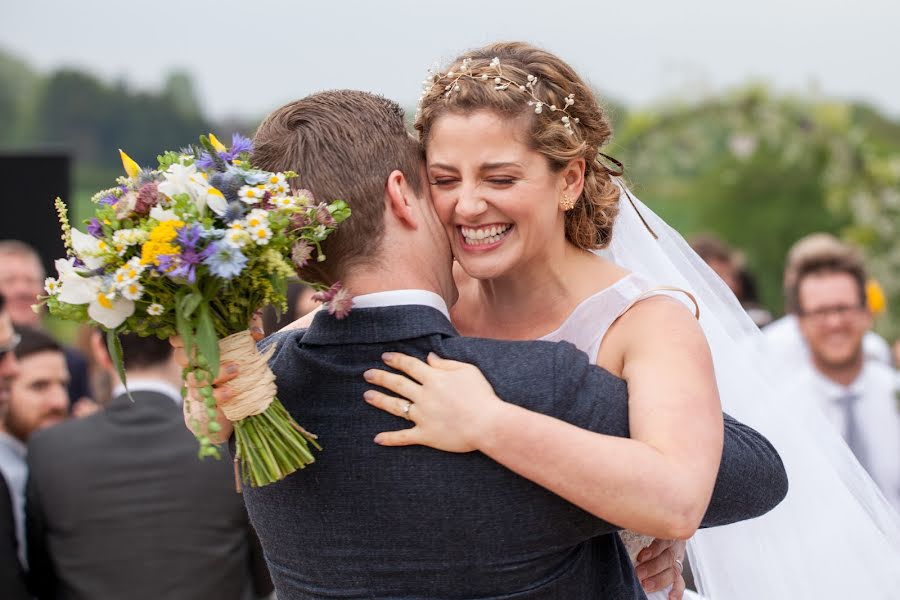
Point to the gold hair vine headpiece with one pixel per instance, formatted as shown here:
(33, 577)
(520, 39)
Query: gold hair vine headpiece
(500, 83)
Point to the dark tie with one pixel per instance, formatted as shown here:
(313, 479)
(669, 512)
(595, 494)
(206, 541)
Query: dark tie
(852, 433)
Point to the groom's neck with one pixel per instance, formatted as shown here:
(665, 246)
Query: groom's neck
(370, 281)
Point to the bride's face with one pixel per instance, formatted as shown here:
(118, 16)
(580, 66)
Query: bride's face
(497, 198)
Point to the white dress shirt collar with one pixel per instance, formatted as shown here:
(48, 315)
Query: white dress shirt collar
(149, 385)
(402, 298)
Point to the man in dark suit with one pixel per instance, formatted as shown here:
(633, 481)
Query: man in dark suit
(12, 576)
(119, 506)
(369, 522)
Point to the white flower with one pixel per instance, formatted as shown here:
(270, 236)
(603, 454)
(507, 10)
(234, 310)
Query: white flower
(251, 194)
(162, 214)
(104, 306)
(283, 201)
(181, 179)
(133, 291)
(237, 237)
(261, 235)
(128, 274)
(52, 286)
(274, 180)
(257, 218)
(130, 237)
(89, 249)
(155, 309)
(216, 201)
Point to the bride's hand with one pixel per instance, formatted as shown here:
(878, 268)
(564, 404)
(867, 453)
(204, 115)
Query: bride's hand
(658, 567)
(450, 402)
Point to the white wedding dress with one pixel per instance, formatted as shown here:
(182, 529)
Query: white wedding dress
(835, 536)
(585, 328)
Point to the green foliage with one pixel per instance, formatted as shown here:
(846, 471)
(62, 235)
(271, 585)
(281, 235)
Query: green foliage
(763, 171)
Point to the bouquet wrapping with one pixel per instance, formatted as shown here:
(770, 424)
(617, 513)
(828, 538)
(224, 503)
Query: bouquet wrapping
(194, 248)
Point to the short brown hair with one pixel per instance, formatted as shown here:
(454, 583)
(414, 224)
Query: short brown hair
(589, 224)
(711, 247)
(344, 144)
(842, 259)
(35, 341)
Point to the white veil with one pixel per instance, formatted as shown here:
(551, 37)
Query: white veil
(835, 535)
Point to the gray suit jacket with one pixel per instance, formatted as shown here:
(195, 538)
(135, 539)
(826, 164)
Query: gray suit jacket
(412, 523)
(119, 506)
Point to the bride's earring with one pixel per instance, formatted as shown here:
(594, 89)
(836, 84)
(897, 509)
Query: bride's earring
(567, 203)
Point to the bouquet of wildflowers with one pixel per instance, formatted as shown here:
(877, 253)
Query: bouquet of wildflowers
(194, 248)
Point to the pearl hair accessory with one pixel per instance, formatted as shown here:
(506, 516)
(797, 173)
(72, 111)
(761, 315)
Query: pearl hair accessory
(500, 83)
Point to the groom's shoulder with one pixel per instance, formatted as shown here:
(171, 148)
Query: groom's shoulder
(559, 362)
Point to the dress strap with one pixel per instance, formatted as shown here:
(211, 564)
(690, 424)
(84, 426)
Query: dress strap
(662, 288)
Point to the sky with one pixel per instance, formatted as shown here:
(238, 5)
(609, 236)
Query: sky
(247, 58)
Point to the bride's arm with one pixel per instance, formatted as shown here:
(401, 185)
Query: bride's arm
(658, 483)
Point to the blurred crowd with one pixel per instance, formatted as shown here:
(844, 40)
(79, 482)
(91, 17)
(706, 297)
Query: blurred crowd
(102, 496)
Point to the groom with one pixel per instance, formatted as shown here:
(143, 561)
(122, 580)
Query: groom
(367, 521)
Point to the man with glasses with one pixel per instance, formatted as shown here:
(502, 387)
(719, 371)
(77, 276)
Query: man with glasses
(12, 578)
(859, 396)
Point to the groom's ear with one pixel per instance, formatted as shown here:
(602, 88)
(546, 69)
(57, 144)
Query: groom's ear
(402, 202)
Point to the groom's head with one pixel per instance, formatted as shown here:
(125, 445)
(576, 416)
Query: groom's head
(353, 146)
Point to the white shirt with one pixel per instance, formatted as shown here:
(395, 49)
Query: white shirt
(149, 385)
(877, 414)
(402, 298)
(15, 471)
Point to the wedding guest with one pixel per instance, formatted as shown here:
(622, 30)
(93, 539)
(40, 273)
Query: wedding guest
(37, 399)
(784, 342)
(859, 396)
(730, 266)
(22, 281)
(12, 575)
(119, 505)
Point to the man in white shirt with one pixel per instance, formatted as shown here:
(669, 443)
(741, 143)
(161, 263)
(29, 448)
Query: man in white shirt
(858, 395)
(785, 344)
(38, 399)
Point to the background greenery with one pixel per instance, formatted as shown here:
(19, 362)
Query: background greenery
(757, 168)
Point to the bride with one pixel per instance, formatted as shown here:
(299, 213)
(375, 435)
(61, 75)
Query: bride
(512, 137)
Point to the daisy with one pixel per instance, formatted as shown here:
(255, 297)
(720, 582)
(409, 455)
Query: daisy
(251, 194)
(261, 235)
(155, 309)
(257, 218)
(51, 285)
(133, 291)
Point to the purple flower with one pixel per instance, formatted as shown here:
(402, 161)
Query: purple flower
(188, 236)
(239, 144)
(225, 261)
(184, 265)
(108, 200)
(95, 228)
(204, 161)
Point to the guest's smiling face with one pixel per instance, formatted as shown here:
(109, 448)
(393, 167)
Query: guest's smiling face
(497, 198)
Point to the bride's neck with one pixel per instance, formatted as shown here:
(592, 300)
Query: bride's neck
(528, 302)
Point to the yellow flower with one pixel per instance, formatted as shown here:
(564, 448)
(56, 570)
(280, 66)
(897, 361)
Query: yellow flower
(219, 146)
(132, 169)
(875, 296)
(159, 242)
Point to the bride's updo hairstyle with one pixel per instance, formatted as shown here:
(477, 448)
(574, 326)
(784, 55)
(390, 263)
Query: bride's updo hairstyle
(517, 80)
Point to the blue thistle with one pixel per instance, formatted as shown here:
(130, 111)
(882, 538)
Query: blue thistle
(234, 212)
